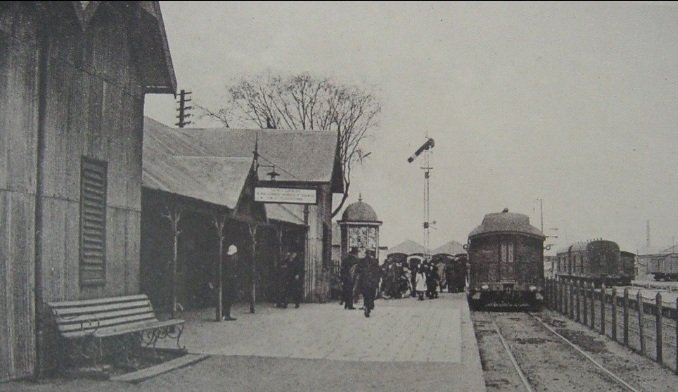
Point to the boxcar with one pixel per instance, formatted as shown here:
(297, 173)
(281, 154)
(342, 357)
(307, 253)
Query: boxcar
(506, 261)
(597, 261)
(662, 266)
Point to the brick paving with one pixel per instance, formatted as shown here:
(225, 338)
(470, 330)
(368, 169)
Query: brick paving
(327, 331)
(406, 345)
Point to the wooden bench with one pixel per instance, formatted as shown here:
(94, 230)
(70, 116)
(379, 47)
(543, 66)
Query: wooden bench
(87, 325)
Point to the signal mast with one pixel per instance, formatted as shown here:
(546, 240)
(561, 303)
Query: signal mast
(426, 149)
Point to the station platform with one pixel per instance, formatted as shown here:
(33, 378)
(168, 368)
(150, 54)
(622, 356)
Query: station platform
(405, 345)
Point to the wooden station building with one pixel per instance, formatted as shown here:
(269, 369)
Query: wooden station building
(73, 77)
(196, 179)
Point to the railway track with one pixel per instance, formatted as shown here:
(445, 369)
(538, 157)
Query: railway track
(521, 352)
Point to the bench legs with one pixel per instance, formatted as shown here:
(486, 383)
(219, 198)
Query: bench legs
(92, 348)
(174, 332)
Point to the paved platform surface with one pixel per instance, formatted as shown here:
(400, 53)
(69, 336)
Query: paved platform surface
(406, 345)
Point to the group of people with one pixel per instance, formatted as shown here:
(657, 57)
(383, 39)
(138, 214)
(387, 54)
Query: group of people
(396, 278)
(361, 274)
(289, 275)
(426, 281)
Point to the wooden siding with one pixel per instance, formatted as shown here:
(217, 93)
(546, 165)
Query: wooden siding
(18, 121)
(94, 109)
(318, 248)
(17, 333)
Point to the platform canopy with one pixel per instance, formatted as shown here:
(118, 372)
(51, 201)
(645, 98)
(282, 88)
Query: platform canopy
(407, 247)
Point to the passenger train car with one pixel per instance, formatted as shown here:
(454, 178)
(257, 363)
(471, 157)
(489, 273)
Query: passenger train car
(506, 258)
(597, 261)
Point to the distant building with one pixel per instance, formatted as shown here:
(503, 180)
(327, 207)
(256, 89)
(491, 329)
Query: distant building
(74, 78)
(407, 247)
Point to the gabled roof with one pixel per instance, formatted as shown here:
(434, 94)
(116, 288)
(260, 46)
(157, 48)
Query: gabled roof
(407, 247)
(299, 156)
(215, 180)
(193, 173)
(450, 248)
(148, 35)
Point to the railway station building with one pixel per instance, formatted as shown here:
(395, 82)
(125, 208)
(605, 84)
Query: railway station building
(207, 176)
(74, 79)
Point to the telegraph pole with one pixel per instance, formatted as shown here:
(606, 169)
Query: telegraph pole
(183, 109)
(541, 214)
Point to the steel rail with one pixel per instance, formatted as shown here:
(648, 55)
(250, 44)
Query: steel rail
(587, 356)
(522, 376)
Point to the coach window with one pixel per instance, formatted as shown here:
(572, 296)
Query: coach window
(506, 251)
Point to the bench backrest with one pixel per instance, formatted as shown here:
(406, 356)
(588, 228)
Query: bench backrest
(81, 318)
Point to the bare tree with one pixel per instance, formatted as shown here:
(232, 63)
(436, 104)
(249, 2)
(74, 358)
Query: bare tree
(304, 102)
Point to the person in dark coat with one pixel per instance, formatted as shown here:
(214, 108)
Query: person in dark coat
(370, 273)
(283, 280)
(449, 277)
(432, 281)
(229, 282)
(347, 265)
(296, 283)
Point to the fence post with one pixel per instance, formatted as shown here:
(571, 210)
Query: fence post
(571, 300)
(566, 294)
(551, 294)
(559, 296)
(578, 300)
(614, 313)
(593, 306)
(641, 312)
(603, 294)
(562, 297)
(586, 306)
(551, 302)
(660, 337)
(626, 318)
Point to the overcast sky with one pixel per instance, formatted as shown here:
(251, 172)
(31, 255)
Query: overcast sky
(572, 103)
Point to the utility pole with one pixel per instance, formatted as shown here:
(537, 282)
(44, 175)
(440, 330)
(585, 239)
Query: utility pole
(541, 214)
(183, 109)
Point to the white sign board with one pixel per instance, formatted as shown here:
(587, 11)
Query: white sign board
(285, 195)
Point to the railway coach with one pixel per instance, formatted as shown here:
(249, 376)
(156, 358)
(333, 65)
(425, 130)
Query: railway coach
(506, 258)
(597, 261)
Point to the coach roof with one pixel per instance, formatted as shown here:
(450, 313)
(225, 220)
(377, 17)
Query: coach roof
(507, 222)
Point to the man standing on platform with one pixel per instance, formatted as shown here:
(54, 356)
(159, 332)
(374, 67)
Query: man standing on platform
(283, 280)
(229, 291)
(296, 277)
(370, 273)
(347, 264)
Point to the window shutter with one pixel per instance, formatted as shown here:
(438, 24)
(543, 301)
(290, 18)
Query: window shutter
(92, 222)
